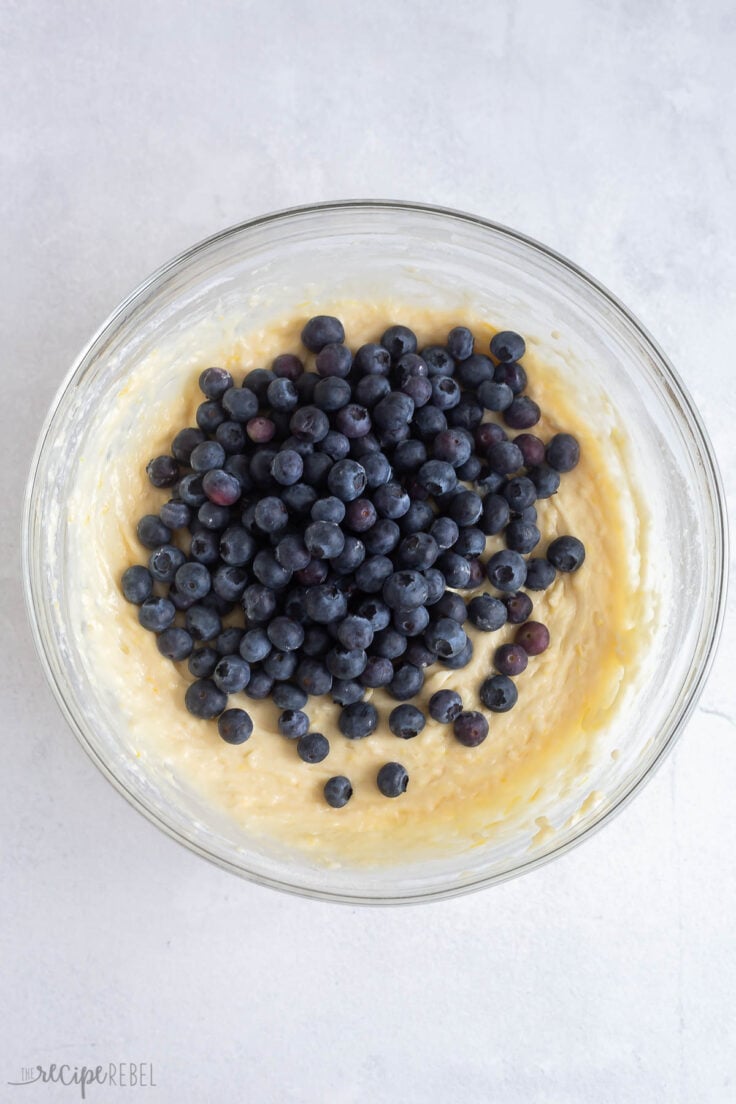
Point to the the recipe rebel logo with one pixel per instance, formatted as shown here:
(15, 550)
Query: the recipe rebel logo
(119, 1075)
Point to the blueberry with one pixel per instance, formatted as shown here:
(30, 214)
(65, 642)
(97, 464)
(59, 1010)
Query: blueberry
(324, 539)
(257, 381)
(419, 390)
(351, 557)
(334, 359)
(317, 641)
(471, 469)
(392, 779)
(389, 643)
(372, 360)
(295, 605)
(164, 562)
(470, 728)
(228, 582)
(532, 449)
(498, 693)
(281, 666)
(269, 571)
(212, 516)
(371, 389)
(445, 532)
(468, 413)
(355, 632)
(347, 480)
(487, 613)
(418, 551)
(450, 605)
(445, 637)
(507, 346)
(393, 411)
(231, 436)
(436, 582)
(260, 430)
(358, 720)
(399, 340)
(322, 330)
(205, 547)
(335, 445)
(137, 584)
(487, 434)
(207, 456)
(313, 574)
(405, 590)
(209, 415)
(446, 393)
(475, 371)
(510, 659)
(286, 695)
(255, 645)
(522, 536)
(539, 574)
(236, 545)
(285, 634)
(511, 374)
(332, 394)
(360, 515)
(292, 553)
(214, 382)
(271, 514)
(408, 456)
(518, 606)
(313, 747)
(563, 452)
(417, 519)
(366, 445)
(204, 699)
(338, 791)
(453, 446)
(234, 726)
(309, 423)
(437, 476)
(193, 579)
(299, 499)
(221, 487)
(506, 571)
(163, 471)
(533, 637)
(241, 403)
(465, 508)
(185, 441)
(260, 686)
(505, 457)
(203, 662)
(239, 466)
(489, 482)
(460, 342)
(428, 421)
(175, 644)
(347, 691)
(445, 706)
(287, 366)
(293, 723)
(519, 492)
(383, 537)
(282, 395)
(379, 671)
(287, 467)
(232, 674)
(152, 532)
(391, 500)
(202, 623)
(407, 681)
(326, 603)
(316, 468)
(455, 569)
(411, 622)
(523, 413)
(406, 721)
(346, 663)
(471, 542)
(566, 554)
(545, 479)
(259, 604)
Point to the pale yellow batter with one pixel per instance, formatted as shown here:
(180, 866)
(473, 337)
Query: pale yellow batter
(457, 796)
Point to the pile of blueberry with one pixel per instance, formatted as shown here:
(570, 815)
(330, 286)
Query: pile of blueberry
(341, 512)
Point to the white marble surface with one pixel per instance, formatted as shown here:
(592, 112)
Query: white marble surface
(131, 130)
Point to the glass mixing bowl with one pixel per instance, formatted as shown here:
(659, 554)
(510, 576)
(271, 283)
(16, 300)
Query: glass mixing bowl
(424, 256)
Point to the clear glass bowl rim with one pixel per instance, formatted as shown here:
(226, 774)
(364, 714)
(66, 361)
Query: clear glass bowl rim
(713, 614)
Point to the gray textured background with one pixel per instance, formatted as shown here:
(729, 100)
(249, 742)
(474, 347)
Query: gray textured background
(131, 130)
